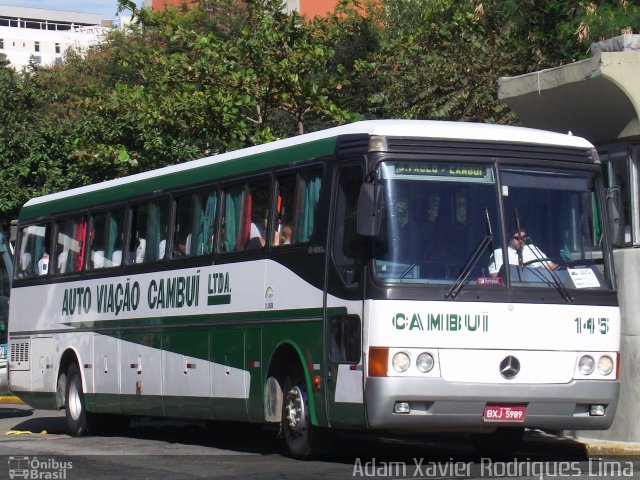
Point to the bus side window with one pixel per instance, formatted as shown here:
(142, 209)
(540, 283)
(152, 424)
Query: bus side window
(345, 246)
(195, 224)
(246, 210)
(345, 339)
(33, 258)
(106, 238)
(70, 244)
(296, 208)
(149, 225)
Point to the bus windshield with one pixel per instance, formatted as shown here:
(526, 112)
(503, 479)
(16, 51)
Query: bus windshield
(436, 215)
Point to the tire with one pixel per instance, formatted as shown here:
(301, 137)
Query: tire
(296, 424)
(77, 415)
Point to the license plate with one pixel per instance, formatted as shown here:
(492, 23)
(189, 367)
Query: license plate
(504, 413)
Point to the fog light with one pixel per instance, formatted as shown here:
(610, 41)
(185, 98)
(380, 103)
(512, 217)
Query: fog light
(605, 365)
(401, 362)
(586, 365)
(401, 407)
(596, 410)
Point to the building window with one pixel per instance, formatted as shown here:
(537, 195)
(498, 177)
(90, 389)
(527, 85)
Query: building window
(36, 46)
(57, 48)
(1, 43)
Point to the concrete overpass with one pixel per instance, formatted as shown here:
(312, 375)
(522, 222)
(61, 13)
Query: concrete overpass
(599, 99)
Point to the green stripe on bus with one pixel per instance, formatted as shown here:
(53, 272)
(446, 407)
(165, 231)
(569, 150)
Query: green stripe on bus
(219, 300)
(212, 172)
(256, 316)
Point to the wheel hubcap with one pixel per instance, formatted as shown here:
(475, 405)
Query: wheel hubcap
(75, 404)
(294, 410)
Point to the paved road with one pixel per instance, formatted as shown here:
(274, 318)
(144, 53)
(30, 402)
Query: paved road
(177, 450)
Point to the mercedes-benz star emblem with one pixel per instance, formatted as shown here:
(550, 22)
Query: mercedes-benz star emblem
(509, 367)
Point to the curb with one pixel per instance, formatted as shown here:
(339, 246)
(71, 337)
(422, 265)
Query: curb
(11, 399)
(610, 448)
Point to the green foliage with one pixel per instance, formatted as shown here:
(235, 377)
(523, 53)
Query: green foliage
(190, 82)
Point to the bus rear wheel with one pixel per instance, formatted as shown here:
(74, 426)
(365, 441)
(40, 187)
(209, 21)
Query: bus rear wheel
(76, 413)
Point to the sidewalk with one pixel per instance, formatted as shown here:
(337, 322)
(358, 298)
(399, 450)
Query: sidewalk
(597, 447)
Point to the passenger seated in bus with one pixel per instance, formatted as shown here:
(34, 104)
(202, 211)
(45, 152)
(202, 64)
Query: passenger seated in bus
(180, 247)
(521, 251)
(286, 236)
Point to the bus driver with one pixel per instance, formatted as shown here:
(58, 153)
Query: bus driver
(521, 252)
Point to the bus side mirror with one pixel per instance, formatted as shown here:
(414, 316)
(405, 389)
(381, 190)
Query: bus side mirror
(616, 221)
(369, 210)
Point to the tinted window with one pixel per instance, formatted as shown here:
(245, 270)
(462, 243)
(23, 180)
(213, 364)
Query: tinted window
(296, 208)
(107, 238)
(246, 210)
(70, 244)
(33, 253)
(195, 224)
(149, 225)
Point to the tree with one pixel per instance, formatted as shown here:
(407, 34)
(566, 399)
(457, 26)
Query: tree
(441, 59)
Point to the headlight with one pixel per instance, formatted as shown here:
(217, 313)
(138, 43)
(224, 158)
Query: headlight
(401, 362)
(586, 365)
(605, 365)
(425, 362)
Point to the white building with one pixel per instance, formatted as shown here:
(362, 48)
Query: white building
(46, 35)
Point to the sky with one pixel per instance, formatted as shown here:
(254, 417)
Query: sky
(107, 8)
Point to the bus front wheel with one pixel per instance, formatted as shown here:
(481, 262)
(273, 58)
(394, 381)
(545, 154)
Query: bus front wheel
(296, 426)
(76, 413)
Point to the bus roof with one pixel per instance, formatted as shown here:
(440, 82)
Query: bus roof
(281, 152)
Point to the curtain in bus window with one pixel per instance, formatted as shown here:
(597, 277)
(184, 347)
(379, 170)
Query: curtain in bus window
(154, 233)
(206, 225)
(309, 195)
(194, 239)
(245, 219)
(112, 236)
(233, 208)
(79, 235)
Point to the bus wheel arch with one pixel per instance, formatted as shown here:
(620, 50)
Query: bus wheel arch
(286, 361)
(288, 401)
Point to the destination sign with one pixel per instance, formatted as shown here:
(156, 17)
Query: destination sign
(441, 170)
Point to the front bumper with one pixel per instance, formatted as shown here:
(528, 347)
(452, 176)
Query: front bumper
(437, 404)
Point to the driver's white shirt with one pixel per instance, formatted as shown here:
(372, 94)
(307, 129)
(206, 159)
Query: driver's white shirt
(530, 253)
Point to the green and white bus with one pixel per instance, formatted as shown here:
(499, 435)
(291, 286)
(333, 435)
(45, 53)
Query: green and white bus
(350, 278)
(6, 269)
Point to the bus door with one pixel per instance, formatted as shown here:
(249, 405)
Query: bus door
(344, 305)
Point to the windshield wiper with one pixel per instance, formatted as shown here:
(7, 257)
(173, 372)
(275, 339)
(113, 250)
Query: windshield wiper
(555, 280)
(472, 261)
